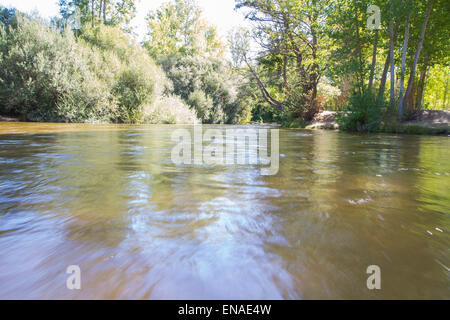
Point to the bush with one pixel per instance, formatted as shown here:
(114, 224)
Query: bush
(208, 86)
(169, 110)
(202, 104)
(102, 76)
(38, 66)
(365, 113)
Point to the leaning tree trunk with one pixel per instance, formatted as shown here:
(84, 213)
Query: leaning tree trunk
(416, 58)
(266, 95)
(391, 55)
(382, 87)
(383, 79)
(402, 77)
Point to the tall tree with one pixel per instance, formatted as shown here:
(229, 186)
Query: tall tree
(118, 12)
(391, 52)
(403, 66)
(374, 60)
(291, 37)
(177, 27)
(417, 55)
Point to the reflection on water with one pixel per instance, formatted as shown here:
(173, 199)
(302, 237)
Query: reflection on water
(108, 198)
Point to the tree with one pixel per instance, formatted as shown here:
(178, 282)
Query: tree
(403, 66)
(291, 37)
(417, 55)
(178, 28)
(116, 13)
(391, 52)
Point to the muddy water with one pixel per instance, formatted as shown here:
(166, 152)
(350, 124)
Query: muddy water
(109, 199)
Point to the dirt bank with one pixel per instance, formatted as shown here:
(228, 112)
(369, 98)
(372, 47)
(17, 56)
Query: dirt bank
(324, 120)
(6, 119)
(430, 119)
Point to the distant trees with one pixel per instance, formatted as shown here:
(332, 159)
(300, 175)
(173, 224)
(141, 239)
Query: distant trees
(193, 57)
(110, 12)
(177, 27)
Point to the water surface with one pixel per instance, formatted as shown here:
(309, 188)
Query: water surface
(109, 199)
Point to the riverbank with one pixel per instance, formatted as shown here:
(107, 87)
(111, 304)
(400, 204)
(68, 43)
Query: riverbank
(431, 122)
(8, 119)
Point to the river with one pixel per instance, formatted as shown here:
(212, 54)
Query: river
(108, 199)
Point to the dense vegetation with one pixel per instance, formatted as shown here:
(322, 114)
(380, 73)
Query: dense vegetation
(49, 74)
(338, 54)
(298, 58)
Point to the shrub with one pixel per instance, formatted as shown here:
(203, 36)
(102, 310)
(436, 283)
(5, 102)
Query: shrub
(169, 110)
(208, 86)
(202, 104)
(49, 75)
(363, 114)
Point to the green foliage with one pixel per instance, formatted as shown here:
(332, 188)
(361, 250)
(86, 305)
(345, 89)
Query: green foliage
(94, 12)
(202, 104)
(169, 110)
(291, 60)
(177, 28)
(365, 113)
(208, 86)
(437, 92)
(39, 69)
(191, 54)
(312, 55)
(103, 76)
(132, 89)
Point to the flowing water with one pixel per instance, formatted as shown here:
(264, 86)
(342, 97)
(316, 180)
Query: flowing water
(110, 200)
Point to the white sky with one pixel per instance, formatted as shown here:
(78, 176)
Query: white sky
(218, 12)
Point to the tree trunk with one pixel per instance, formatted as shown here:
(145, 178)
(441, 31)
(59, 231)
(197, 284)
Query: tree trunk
(427, 76)
(104, 10)
(444, 106)
(391, 55)
(100, 10)
(419, 48)
(403, 71)
(360, 75)
(374, 60)
(421, 88)
(93, 11)
(385, 72)
(383, 78)
(266, 95)
(285, 62)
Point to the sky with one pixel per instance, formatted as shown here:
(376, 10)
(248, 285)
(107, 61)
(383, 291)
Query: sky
(218, 12)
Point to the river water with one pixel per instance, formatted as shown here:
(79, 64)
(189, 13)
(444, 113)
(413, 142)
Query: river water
(110, 200)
